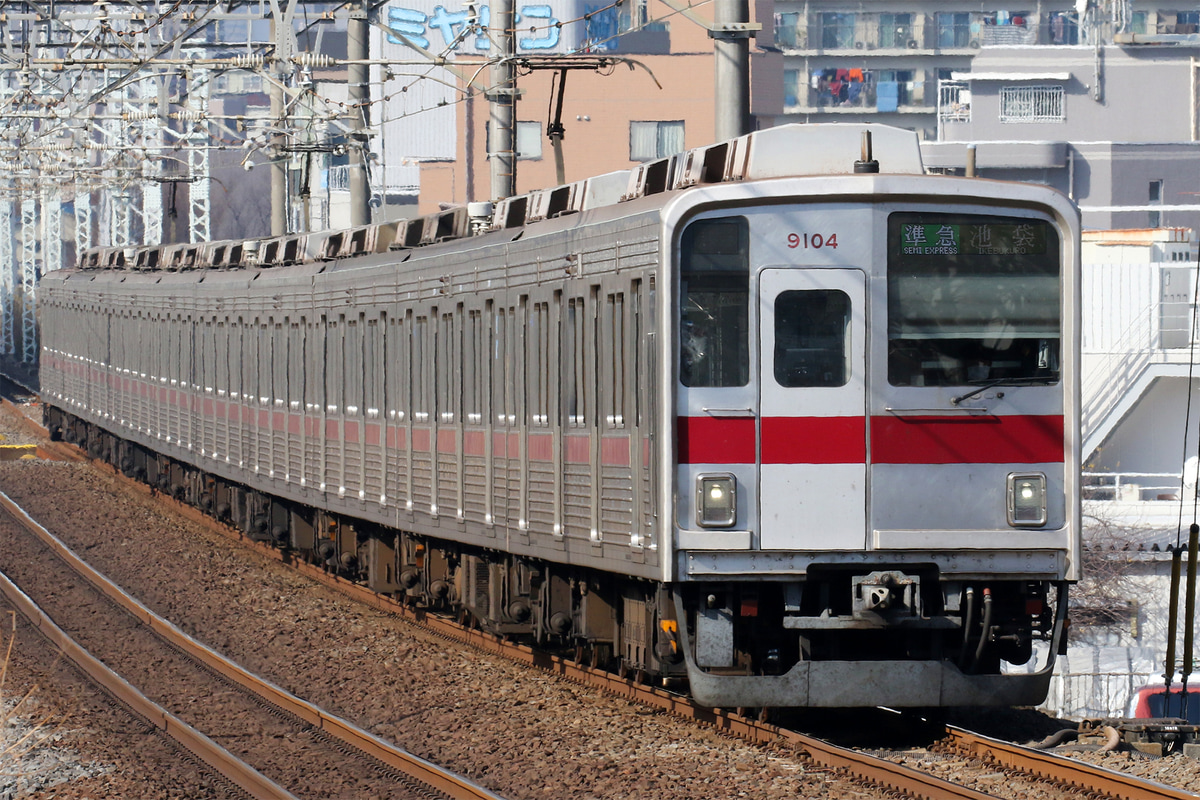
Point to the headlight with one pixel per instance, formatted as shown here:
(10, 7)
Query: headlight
(716, 500)
(1027, 499)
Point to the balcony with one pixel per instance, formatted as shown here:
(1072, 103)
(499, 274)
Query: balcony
(855, 91)
(943, 33)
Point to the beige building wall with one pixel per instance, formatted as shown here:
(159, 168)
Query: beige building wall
(597, 111)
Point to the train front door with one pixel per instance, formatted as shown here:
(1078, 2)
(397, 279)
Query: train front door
(813, 438)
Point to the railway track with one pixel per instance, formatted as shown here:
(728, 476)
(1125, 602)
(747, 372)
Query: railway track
(1066, 772)
(1049, 775)
(286, 748)
(1055, 774)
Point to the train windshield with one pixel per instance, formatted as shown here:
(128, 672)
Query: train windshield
(715, 287)
(972, 299)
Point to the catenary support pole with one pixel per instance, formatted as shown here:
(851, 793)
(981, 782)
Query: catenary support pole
(359, 94)
(731, 55)
(502, 101)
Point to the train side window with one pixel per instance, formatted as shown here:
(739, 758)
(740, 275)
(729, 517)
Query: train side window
(636, 345)
(349, 351)
(152, 363)
(420, 399)
(204, 374)
(334, 377)
(148, 360)
(315, 400)
(470, 369)
(266, 368)
(187, 354)
(812, 328)
(355, 374)
(297, 373)
(444, 371)
(613, 341)
(244, 355)
(372, 372)
(397, 368)
(501, 373)
(574, 394)
(537, 349)
(171, 371)
(474, 375)
(249, 360)
(259, 345)
(279, 365)
(221, 372)
(714, 330)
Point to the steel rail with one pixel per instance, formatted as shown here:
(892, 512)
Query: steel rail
(1084, 776)
(241, 774)
(447, 783)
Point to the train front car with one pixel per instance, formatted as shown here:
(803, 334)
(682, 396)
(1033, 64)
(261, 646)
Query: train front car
(875, 396)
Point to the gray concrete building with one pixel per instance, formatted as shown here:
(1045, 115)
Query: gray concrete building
(1115, 127)
(877, 61)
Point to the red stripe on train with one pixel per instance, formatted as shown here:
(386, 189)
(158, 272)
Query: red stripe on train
(615, 451)
(814, 440)
(967, 440)
(1030, 439)
(704, 440)
(474, 443)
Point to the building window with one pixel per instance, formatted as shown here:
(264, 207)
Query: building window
(1064, 27)
(791, 88)
(954, 101)
(893, 88)
(1032, 104)
(895, 30)
(837, 31)
(787, 30)
(651, 140)
(843, 87)
(954, 29)
(1187, 22)
(1138, 21)
(529, 141)
(1155, 196)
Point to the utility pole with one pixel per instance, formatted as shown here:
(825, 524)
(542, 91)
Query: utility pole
(731, 32)
(278, 161)
(357, 72)
(502, 101)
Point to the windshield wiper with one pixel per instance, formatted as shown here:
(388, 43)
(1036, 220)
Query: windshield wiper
(985, 385)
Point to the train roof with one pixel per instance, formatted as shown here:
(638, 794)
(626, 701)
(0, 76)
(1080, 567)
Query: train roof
(785, 151)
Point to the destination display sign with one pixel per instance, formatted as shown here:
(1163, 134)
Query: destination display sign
(948, 239)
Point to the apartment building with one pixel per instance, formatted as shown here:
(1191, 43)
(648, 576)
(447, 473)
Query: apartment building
(882, 61)
(1115, 127)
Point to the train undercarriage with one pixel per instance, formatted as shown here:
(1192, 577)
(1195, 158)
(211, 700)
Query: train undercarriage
(836, 615)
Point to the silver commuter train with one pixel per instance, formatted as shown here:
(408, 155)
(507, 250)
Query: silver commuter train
(791, 422)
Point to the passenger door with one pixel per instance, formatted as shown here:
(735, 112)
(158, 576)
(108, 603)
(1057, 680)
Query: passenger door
(812, 445)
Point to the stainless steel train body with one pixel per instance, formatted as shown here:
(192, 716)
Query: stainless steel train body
(804, 436)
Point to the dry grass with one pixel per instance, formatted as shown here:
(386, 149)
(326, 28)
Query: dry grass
(26, 732)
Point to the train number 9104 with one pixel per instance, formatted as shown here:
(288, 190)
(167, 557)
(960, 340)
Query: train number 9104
(814, 241)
